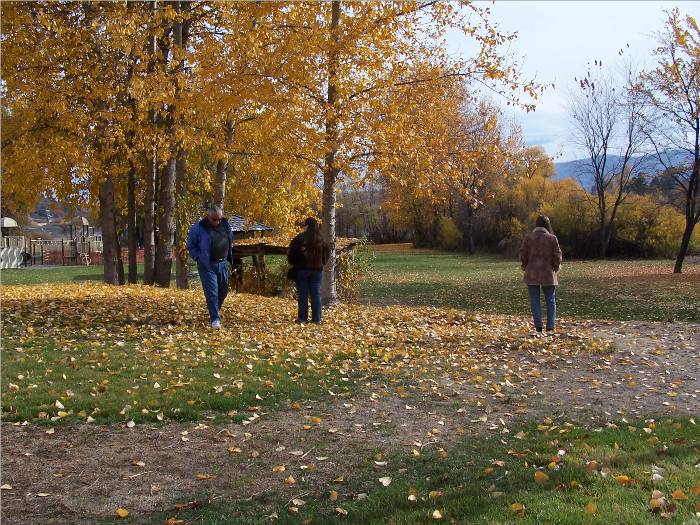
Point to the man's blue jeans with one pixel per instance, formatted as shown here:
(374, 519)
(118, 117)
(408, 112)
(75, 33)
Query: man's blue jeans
(550, 297)
(309, 283)
(215, 285)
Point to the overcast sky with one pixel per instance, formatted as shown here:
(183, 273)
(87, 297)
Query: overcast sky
(557, 39)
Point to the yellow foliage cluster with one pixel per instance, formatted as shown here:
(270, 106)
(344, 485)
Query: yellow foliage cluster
(273, 93)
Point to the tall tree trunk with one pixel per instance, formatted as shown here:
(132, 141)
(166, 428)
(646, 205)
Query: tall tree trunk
(181, 32)
(131, 224)
(166, 223)
(692, 211)
(602, 234)
(111, 251)
(471, 245)
(222, 168)
(149, 220)
(132, 244)
(167, 204)
(685, 242)
(330, 170)
(181, 269)
(328, 290)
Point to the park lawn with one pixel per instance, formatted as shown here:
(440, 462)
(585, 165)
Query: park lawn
(596, 475)
(54, 274)
(619, 290)
(93, 352)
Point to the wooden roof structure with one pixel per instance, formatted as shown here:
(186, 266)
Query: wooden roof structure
(240, 225)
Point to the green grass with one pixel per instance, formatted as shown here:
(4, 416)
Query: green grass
(63, 274)
(116, 383)
(84, 351)
(468, 493)
(622, 290)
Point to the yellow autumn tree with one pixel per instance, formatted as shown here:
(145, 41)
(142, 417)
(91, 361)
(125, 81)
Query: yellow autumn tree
(452, 151)
(274, 101)
(71, 94)
(354, 55)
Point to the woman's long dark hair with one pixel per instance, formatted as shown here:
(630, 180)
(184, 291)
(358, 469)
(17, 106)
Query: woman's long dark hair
(543, 222)
(313, 240)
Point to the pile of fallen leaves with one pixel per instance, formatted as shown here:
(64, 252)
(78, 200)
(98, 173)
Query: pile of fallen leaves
(105, 328)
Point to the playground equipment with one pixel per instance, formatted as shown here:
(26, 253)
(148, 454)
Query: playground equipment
(13, 247)
(83, 246)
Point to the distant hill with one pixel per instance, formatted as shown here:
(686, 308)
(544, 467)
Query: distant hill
(580, 169)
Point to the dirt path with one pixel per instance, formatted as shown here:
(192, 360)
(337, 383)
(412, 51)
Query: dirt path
(80, 473)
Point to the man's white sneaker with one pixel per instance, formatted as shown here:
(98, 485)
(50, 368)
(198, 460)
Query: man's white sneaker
(216, 325)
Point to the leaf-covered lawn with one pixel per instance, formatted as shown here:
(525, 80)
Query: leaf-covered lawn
(623, 290)
(158, 415)
(135, 353)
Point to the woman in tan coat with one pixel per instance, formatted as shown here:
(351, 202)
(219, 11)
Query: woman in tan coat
(540, 256)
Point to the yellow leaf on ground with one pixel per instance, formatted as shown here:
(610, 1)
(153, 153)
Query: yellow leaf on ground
(591, 508)
(518, 508)
(541, 477)
(122, 513)
(623, 480)
(679, 495)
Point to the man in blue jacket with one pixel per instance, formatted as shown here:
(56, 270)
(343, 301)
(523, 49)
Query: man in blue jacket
(210, 243)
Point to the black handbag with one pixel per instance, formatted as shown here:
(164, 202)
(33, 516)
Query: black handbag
(292, 273)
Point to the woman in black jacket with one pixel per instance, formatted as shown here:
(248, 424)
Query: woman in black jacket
(308, 255)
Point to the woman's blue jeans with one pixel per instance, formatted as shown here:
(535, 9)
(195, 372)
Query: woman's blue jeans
(550, 297)
(309, 284)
